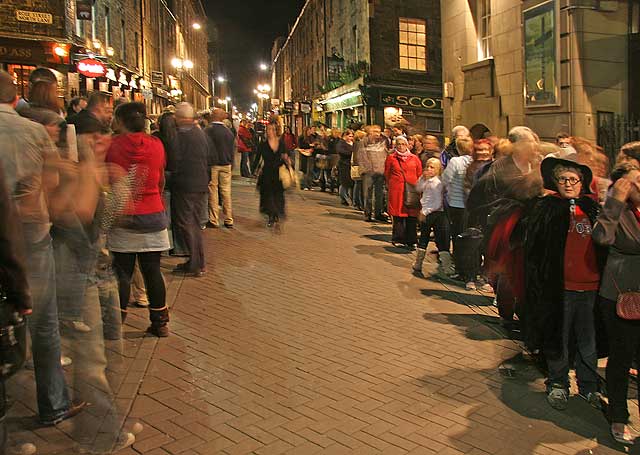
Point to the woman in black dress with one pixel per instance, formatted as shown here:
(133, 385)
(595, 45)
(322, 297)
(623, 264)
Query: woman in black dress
(274, 155)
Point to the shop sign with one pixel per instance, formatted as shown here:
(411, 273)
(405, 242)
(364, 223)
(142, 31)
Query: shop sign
(11, 51)
(305, 108)
(162, 93)
(157, 77)
(288, 105)
(35, 17)
(91, 67)
(84, 10)
(147, 94)
(413, 102)
(343, 103)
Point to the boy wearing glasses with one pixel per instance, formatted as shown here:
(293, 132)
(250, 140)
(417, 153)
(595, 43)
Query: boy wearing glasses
(562, 279)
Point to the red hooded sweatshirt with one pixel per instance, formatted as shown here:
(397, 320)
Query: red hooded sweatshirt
(148, 154)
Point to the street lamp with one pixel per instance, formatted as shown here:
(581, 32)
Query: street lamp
(264, 67)
(177, 63)
(196, 26)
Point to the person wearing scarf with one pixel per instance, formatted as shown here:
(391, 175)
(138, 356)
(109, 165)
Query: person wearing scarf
(402, 165)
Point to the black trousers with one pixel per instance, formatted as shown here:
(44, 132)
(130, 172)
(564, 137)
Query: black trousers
(123, 263)
(456, 223)
(439, 224)
(624, 347)
(405, 230)
(185, 211)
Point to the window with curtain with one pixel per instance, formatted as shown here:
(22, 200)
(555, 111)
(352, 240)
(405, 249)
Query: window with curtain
(413, 44)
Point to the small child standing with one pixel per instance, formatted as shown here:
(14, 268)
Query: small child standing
(433, 217)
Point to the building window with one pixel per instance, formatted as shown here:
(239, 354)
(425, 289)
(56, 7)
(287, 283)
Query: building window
(413, 44)
(484, 29)
(107, 27)
(123, 48)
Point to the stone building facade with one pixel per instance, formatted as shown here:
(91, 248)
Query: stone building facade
(558, 65)
(347, 63)
(131, 44)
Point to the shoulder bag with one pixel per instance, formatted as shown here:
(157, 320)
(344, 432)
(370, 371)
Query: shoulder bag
(411, 198)
(287, 176)
(627, 304)
(355, 169)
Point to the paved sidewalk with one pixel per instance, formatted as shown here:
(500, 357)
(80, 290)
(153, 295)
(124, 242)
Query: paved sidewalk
(320, 340)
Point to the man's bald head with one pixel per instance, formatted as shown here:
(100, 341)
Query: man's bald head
(218, 115)
(8, 88)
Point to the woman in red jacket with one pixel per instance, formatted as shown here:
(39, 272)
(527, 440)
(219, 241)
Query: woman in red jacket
(141, 232)
(401, 166)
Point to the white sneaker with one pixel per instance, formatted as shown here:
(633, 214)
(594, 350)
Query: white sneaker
(470, 286)
(64, 361)
(79, 326)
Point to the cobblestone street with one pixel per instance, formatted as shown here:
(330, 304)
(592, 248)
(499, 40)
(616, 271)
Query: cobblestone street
(320, 340)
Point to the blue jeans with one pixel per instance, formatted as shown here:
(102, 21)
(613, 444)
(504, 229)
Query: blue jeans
(579, 328)
(52, 395)
(373, 185)
(75, 257)
(358, 198)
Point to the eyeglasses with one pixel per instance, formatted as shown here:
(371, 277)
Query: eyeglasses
(570, 180)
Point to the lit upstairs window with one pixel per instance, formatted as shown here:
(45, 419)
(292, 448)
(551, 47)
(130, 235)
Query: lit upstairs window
(413, 44)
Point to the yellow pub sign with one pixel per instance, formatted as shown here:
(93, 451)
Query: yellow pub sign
(33, 16)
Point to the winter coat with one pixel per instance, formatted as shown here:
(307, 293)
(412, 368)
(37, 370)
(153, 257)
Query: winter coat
(147, 154)
(618, 228)
(546, 225)
(393, 172)
(245, 140)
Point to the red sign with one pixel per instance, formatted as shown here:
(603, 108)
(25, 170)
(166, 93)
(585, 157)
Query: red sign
(91, 68)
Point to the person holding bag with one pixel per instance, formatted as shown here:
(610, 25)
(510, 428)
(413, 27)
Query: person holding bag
(402, 170)
(274, 154)
(618, 227)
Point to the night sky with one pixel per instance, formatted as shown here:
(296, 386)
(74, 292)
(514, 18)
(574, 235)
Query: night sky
(247, 30)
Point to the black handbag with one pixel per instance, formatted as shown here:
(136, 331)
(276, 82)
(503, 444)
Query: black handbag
(410, 197)
(13, 338)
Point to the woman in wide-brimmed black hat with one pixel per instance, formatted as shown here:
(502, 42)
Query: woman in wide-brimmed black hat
(562, 271)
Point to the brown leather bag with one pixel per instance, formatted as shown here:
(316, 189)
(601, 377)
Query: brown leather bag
(628, 304)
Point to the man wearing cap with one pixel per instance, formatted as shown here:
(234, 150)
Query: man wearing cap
(188, 161)
(222, 151)
(562, 279)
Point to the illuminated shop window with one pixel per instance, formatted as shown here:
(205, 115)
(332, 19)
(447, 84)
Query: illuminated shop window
(413, 44)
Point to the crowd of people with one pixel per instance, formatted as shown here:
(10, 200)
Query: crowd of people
(92, 197)
(553, 228)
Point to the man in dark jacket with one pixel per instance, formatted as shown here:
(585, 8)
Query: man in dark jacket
(96, 116)
(188, 163)
(222, 144)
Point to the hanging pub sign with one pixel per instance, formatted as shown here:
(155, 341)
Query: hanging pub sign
(90, 67)
(84, 10)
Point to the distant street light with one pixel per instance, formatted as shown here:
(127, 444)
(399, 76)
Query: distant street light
(221, 79)
(188, 64)
(196, 26)
(176, 63)
(264, 67)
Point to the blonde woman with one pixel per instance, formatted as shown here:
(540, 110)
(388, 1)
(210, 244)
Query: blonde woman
(432, 216)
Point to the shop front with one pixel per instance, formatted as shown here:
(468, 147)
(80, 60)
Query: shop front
(344, 106)
(20, 57)
(420, 110)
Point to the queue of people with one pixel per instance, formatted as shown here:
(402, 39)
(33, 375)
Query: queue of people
(96, 201)
(544, 224)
